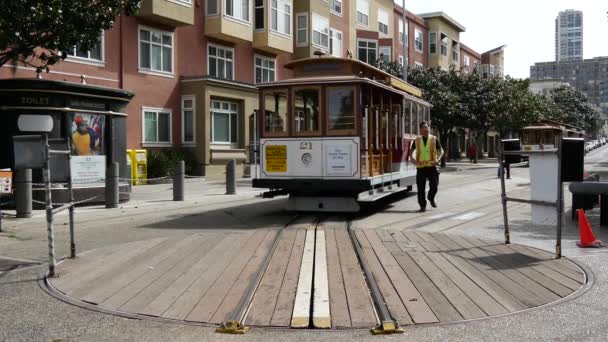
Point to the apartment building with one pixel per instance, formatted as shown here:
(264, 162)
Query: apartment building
(493, 63)
(470, 60)
(194, 64)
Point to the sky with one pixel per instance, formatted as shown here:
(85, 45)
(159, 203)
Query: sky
(527, 27)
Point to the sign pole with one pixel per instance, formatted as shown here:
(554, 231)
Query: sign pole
(71, 209)
(49, 206)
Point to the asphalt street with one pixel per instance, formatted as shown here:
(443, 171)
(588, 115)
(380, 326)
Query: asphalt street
(469, 205)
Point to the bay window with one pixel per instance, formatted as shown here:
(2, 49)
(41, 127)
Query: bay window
(382, 21)
(280, 16)
(363, 12)
(238, 9)
(320, 31)
(188, 120)
(224, 122)
(335, 43)
(419, 40)
(302, 29)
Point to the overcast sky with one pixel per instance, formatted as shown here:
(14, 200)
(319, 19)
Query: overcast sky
(527, 27)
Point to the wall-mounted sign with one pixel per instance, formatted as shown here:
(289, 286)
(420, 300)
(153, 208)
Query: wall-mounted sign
(88, 169)
(6, 182)
(339, 160)
(276, 158)
(87, 104)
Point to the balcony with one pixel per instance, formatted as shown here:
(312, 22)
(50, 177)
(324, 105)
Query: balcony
(230, 24)
(173, 13)
(272, 42)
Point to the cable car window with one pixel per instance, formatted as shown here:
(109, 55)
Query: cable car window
(306, 110)
(275, 112)
(341, 109)
(407, 115)
(415, 118)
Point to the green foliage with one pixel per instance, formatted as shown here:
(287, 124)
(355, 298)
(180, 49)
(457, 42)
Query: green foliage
(40, 33)
(574, 108)
(162, 163)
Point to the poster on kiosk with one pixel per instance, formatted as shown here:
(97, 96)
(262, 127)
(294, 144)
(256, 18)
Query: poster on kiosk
(88, 161)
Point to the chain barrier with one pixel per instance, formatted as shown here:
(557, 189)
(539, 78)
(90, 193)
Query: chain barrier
(75, 203)
(102, 181)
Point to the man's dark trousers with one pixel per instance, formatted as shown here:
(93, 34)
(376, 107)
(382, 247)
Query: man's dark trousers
(422, 175)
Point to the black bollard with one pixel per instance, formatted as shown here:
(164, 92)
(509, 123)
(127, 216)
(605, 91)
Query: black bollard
(112, 193)
(23, 193)
(231, 177)
(178, 181)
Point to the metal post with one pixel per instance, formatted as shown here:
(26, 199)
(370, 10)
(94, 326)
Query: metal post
(178, 181)
(231, 177)
(112, 193)
(560, 202)
(503, 195)
(49, 207)
(23, 193)
(71, 209)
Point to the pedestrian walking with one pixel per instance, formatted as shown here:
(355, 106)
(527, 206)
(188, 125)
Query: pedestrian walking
(472, 153)
(426, 152)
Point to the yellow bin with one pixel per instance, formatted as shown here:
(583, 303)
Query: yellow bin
(141, 167)
(131, 165)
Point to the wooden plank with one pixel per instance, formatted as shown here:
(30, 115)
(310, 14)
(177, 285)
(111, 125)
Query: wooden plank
(394, 285)
(412, 236)
(160, 293)
(558, 265)
(542, 295)
(392, 247)
(482, 299)
(507, 300)
(360, 307)
(281, 316)
(410, 246)
(301, 309)
(385, 236)
(240, 285)
(517, 260)
(340, 318)
(321, 317)
(134, 269)
(192, 286)
(208, 305)
(91, 273)
(125, 294)
(424, 236)
(398, 236)
(465, 306)
(264, 301)
(439, 304)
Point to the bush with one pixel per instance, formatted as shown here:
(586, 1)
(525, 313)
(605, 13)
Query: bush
(162, 163)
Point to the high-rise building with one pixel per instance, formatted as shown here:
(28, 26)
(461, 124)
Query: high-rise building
(569, 36)
(589, 76)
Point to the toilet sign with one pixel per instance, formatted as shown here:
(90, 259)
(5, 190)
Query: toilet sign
(6, 182)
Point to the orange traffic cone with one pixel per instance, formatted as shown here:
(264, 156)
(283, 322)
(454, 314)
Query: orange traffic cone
(587, 237)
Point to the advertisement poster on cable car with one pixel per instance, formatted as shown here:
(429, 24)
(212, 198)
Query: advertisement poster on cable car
(339, 161)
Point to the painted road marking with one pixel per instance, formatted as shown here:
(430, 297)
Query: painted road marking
(469, 216)
(301, 308)
(320, 312)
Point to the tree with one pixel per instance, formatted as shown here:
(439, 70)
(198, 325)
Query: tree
(40, 33)
(575, 108)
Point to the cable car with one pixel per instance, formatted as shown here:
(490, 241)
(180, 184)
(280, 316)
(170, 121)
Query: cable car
(335, 134)
(546, 134)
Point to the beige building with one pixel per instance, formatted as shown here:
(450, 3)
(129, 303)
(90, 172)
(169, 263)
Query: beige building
(444, 40)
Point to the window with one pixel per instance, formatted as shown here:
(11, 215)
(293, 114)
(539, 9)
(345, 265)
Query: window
(188, 120)
(302, 29)
(402, 35)
(155, 50)
(212, 7)
(366, 51)
(444, 45)
(224, 122)
(320, 31)
(455, 52)
(258, 16)
(385, 54)
(275, 111)
(467, 63)
(485, 69)
(265, 69)
(306, 108)
(221, 62)
(280, 18)
(157, 126)
(186, 2)
(340, 109)
(419, 40)
(419, 65)
(363, 12)
(335, 43)
(433, 42)
(238, 9)
(94, 54)
(335, 6)
(382, 21)
(401, 60)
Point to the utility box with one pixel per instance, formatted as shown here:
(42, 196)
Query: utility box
(131, 166)
(141, 167)
(573, 159)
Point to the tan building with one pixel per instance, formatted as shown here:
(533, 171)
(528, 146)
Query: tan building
(444, 40)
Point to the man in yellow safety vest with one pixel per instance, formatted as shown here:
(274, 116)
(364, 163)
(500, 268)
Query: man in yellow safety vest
(428, 153)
